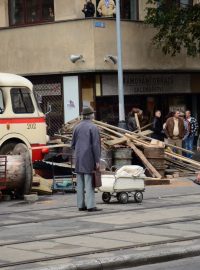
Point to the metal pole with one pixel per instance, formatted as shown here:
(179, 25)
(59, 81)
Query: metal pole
(120, 70)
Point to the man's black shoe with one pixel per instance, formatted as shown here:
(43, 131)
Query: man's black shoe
(94, 209)
(82, 209)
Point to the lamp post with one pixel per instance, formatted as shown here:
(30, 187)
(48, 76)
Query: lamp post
(120, 70)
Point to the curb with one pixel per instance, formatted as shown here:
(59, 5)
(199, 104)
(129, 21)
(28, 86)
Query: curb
(129, 260)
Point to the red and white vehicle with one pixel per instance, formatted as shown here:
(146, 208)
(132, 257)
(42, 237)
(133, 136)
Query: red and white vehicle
(21, 120)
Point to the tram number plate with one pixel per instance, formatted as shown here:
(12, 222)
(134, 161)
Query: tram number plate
(31, 126)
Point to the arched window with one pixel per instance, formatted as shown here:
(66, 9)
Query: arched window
(23, 12)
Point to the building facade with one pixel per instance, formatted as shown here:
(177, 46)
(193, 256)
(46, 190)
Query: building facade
(66, 56)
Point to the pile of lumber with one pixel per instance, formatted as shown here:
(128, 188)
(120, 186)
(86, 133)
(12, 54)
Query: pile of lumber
(113, 137)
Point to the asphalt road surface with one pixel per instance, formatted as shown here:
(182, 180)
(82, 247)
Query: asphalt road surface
(185, 264)
(52, 232)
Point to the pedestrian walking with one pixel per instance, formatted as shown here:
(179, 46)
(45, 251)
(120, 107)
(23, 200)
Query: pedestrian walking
(193, 124)
(87, 145)
(157, 127)
(175, 130)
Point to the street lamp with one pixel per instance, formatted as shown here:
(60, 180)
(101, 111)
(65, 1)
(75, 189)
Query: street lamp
(120, 70)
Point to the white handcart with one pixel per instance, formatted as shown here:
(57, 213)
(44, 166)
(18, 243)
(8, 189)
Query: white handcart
(126, 182)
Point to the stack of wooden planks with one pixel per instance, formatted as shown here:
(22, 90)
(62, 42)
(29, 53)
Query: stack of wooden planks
(113, 137)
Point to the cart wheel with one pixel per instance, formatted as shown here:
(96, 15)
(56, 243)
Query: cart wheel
(123, 197)
(138, 196)
(106, 197)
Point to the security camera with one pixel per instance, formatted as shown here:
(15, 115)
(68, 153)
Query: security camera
(111, 58)
(74, 58)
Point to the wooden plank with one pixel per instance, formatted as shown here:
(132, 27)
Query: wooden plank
(116, 141)
(148, 165)
(136, 139)
(122, 130)
(108, 136)
(179, 148)
(179, 157)
(137, 122)
(144, 127)
(167, 144)
(146, 132)
(180, 164)
(110, 130)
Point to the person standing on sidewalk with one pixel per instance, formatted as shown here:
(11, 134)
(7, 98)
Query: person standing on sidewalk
(193, 124)
(175, 130)
(87, 145)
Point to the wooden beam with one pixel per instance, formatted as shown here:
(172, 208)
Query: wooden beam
(147, 164)
(137, 122)
(110, 130)
(180, 164)
(136, 139)
(102, 124)
(179, 157)
(167, 144)
(116, 141)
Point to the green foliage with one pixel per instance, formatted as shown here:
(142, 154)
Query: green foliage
(178, 26)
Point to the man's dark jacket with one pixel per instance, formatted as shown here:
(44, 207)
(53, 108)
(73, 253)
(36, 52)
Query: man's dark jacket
(157, 129)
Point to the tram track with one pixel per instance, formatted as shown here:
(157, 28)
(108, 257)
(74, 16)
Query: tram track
(113, 211)
(143, 224)
(98, 251)
(121, 228)
(73, 206)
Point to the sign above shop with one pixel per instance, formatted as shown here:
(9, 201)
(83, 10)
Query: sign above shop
(142, 84)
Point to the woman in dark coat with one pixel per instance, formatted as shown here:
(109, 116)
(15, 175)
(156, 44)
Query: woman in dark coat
(157, 127)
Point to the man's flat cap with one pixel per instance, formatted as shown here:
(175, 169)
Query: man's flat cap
(87, 111)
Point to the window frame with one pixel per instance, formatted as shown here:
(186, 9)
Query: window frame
(25, 14)
(190, 3)
(3, 103)
(122, 4)
(22, 98)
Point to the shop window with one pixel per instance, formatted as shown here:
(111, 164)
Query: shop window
(21, 101)
(128, 8)
(23, 12)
